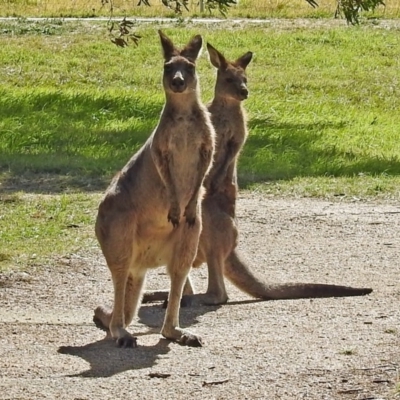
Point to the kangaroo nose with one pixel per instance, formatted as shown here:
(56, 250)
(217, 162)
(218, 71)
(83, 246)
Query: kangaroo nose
(178, 83)
(244, 92)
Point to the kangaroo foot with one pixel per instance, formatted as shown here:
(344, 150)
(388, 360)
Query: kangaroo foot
(189, 300)
(183, 337)
(189, 339)
(184, 303)
(150, 297)
(102, 318)
(200, 299)
(162, 295)
(203, 299)
(127, 341)
(99, 324)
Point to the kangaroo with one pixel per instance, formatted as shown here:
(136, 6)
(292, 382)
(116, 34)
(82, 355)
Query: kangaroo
(219, 236)
(151, 213)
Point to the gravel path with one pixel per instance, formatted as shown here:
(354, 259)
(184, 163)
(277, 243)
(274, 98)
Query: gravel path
(341, 348)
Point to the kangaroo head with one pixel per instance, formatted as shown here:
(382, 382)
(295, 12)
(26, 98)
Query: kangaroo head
(179, 65)
(231, 76)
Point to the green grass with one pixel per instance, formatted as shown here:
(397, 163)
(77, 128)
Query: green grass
(324, 102)
(35, 227)
(323, 118)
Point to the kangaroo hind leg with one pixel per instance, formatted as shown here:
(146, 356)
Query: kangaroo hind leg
(127, 292)
(178, 269)
(216, 292)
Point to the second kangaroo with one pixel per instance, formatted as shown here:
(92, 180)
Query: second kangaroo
(218, 239)
(151, 213)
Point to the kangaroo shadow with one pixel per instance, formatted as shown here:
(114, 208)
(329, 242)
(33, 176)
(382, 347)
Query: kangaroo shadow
(153, 315)
(106, 359)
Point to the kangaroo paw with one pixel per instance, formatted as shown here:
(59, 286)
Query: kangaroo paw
(191, 213)
(174, 215)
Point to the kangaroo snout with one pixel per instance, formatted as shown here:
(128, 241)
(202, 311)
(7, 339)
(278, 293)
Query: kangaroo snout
(178, 84)
(244, 93)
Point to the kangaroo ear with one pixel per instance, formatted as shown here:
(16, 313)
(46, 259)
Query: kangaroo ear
(216, 58)
(168, 47)
(192, 49)
(244, 60)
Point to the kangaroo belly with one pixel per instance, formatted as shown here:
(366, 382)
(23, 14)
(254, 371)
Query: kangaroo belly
(152, 255)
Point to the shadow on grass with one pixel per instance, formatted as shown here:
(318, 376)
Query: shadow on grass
(56, 141)
(284, 151)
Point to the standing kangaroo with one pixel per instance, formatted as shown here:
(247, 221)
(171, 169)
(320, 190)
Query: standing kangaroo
(218, 239)
(151, 213)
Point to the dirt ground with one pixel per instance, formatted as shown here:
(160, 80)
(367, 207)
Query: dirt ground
(339, 348)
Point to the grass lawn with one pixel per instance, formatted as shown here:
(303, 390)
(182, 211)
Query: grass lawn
(323, 118)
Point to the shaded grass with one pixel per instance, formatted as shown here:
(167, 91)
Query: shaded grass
(47, 131)
(321, 104)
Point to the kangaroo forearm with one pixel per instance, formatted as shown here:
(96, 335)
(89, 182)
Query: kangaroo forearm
(163, 162)
(171, 186)
(230, 158)
(205, 161)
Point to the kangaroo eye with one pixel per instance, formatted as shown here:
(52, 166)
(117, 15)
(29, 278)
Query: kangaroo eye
(167, 68)
(245, 81)
(229, 80)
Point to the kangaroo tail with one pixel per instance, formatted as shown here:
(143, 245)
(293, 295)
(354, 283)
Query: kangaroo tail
(242, 277)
